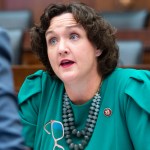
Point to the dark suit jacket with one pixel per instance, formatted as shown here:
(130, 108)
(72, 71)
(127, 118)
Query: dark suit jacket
(10, 126)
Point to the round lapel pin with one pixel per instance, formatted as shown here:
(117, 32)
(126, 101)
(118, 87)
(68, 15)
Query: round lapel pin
(107, 112)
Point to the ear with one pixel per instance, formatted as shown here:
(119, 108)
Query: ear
(98, 52)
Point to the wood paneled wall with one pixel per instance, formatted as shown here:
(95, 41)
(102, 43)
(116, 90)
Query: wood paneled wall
(37, 6)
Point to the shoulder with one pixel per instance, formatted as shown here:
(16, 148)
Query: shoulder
(122, 76)
(134, 84)
(128, 72)
(35, 84)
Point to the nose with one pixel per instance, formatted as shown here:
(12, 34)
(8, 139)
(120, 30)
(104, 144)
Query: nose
(63, 48)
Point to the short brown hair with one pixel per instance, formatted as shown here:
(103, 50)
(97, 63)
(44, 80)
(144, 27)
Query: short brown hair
(99, 33)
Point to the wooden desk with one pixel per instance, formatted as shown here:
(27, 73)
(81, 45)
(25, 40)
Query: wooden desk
(29, 58)
(142, 35)
(20, 72)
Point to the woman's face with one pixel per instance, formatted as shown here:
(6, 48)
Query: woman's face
(71, 55)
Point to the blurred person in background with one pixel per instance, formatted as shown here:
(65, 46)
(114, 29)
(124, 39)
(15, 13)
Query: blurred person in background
(10, 125)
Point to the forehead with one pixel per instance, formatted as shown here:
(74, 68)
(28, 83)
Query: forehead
(65, 19)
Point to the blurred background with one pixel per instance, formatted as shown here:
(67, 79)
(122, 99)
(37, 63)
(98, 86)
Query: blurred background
(130, 17)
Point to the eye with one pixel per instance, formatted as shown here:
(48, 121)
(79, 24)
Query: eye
(74, 36)
(53, 41)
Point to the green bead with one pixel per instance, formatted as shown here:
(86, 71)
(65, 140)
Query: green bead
(76, 147)
(69, 125)
(81, 146)
(86, 138)
(69, 141)
(71, 146)
(78, 134)
(84, 142)
(74, 131)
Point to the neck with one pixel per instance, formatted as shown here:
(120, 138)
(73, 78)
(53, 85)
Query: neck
(82, 91)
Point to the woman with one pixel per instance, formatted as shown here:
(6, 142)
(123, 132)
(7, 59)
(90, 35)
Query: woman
(82, 101)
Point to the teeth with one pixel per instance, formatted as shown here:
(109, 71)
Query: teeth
(66, 61)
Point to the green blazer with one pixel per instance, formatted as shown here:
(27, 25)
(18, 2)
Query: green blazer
(126, 92)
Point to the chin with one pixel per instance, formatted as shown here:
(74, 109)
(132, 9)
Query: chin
(68, 78)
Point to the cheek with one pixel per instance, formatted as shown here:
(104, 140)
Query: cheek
(50, 54)
(52, 59)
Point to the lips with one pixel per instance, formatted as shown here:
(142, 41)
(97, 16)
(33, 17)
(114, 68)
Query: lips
(66, 63)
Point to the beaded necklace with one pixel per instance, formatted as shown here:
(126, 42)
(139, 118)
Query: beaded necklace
(69, 123)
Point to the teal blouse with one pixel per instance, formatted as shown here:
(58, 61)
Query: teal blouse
(126, 92)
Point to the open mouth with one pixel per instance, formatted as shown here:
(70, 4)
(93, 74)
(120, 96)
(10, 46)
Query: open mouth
(66, 63)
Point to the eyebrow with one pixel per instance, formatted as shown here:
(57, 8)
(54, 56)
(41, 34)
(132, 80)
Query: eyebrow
(68, 27)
